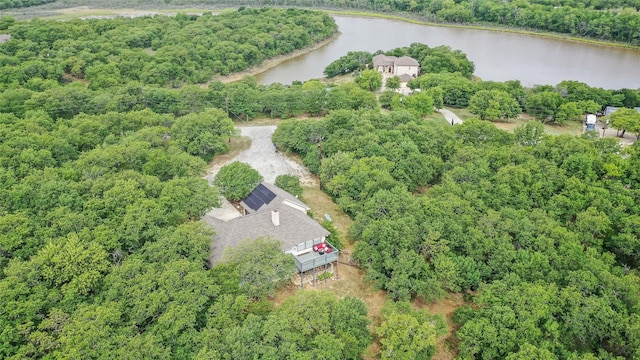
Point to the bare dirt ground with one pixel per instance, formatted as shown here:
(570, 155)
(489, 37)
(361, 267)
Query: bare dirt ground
(351, 282)
(446, 346)
(236, 146)
(321, 204)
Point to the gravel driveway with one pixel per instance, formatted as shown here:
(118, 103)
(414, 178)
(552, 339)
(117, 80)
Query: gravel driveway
(450, 116)
(263, 157)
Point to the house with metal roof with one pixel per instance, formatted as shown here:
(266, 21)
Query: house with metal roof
(611, 109)
(273, 212)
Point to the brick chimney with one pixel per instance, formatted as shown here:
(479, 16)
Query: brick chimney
(275, 217)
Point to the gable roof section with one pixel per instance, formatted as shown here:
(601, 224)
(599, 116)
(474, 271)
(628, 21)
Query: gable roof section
(406, 61)
(405, 78)
(295, 227)
(383, 60)
(268, 196)
(610, 110)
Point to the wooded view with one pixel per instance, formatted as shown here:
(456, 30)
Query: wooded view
(106, 129)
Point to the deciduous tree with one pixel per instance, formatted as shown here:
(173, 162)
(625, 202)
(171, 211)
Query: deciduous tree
(494, 105)
(626, 119)
(406, 333)
(289, 183)
(237, 180)
(261, 266)
(370, 80)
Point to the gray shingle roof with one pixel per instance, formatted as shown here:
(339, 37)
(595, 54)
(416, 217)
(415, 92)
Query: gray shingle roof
(295, 227)
(405, 78)
(611, 109)
(406, 61)
(383, 60)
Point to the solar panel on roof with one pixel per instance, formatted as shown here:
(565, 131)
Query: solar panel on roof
(251, 202)
(258, 197)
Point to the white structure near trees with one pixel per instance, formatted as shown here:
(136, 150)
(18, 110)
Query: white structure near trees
(405, 67)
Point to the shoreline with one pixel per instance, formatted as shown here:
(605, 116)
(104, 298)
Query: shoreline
(79, 11)
(273, 62)
(558, 36)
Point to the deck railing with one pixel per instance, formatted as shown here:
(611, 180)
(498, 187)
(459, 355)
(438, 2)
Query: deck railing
(311, 260)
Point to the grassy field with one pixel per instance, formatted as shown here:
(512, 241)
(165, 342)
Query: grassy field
(570, 128)
(237, 145)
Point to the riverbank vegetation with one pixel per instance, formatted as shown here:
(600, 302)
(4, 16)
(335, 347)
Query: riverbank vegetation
(434, 59)
(160, 51)
(12, 4)
(616, 21)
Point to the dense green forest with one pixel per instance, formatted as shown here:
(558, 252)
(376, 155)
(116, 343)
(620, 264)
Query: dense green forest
(544, 228)
(102, 254)
(158, 50)
(617, 20)
(11, 4)
(101, 251)
(446, 78)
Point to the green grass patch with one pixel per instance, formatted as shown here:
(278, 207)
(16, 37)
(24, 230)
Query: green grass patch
(570, 128)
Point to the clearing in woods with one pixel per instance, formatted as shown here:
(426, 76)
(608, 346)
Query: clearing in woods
(352, 281)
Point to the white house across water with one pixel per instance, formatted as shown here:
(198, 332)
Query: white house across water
(404, 67)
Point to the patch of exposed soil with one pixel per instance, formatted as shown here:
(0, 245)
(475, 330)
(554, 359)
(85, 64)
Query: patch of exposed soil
(236, 146)
(321, 204)
(262, 156)
(351, 282)
(447, 345)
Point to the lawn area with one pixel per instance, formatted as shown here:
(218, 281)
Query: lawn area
(570, 128)
(436, 117)
(237, 145)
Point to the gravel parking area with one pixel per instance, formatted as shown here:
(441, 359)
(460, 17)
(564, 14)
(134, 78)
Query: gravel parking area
(263, 157)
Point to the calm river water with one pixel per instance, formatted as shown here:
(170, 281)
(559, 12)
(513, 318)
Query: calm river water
(498, 56)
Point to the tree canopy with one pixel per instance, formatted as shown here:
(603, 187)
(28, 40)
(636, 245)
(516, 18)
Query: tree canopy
(615, 20)
(101, 190)
(261, 266)
(237, 180)
(533, 222)
(158, 50)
